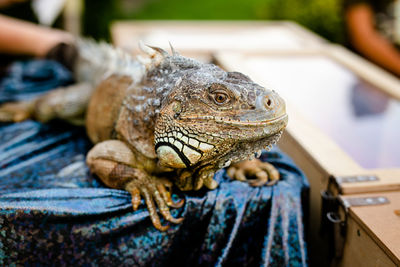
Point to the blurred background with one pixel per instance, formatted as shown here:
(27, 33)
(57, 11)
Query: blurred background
(324, 17)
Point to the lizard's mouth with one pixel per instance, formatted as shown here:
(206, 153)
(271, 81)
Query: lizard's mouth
(187, 145)
(178, 152)
(230, 122)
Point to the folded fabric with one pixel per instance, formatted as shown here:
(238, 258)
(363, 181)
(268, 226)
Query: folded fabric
(32, 78)
(54, 212)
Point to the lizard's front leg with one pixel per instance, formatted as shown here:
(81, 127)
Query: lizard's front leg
(263, 173)
(115, 164)
(67, 103)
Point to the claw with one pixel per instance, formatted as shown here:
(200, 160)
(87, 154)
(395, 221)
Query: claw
(167, 215)
(272, 172)
(231, 171)
(168, 199)
(240, 176)
(153, 211)
(210, 183)
(177, 205)
(273, 182)
(198, 183)
(135, 198)
(163, 208)
(261, 179)
(155, 194)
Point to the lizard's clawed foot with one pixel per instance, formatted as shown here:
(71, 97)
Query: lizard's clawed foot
(260, 173)
(165, 188)
(186, 181)
(155, 191)
(15, 111)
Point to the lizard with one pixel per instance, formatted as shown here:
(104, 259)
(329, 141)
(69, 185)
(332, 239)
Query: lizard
(162, 119)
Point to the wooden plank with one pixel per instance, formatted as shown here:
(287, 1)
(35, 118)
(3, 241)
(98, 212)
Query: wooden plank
(361, 250)
(381, 223)
(213, 36)
(388, 181)
(302, 31)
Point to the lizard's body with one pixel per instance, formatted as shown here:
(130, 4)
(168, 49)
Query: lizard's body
(163, 119)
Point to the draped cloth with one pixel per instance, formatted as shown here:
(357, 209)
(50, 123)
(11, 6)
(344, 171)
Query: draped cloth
(54, 212)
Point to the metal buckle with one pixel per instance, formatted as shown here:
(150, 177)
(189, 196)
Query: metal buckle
(334, 222)
(356, 179)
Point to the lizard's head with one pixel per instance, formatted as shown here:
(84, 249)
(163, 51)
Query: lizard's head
(215, 117)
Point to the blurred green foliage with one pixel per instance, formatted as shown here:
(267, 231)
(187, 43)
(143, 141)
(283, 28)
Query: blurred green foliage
(321, 16)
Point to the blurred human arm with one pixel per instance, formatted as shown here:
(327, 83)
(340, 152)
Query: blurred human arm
(5, 3)
(368, 41)
(24, 38)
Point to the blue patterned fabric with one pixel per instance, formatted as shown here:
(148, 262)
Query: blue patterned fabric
(31, 78)
(53, 212)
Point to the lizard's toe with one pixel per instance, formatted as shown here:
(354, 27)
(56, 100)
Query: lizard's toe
(156, 196)
(162, 205)
(165, 192)
(255, 172)
(15, 112)
(260, 178)
(134, 191)
(151, 207)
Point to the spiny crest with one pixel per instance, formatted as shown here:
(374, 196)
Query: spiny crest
(160, 57)
(97, 60)
(100, 60)
(174, 53)
(152, 51)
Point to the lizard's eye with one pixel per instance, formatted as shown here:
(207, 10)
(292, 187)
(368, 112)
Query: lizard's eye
(220, 98)
(218, 94)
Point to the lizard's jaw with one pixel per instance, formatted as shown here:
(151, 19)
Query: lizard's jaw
(178, 149)
(181, 149)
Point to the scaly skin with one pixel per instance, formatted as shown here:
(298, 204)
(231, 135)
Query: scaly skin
(165, 120)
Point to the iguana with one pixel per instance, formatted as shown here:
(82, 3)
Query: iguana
(163, 119)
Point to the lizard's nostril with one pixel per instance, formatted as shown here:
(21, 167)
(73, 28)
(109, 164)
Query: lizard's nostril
(268, 102)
